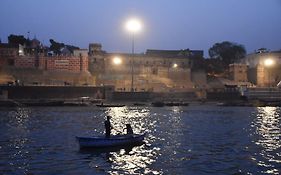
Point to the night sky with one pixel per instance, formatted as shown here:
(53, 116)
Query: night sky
(167, 24)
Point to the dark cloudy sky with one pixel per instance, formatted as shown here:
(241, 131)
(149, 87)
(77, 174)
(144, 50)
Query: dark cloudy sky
(167, 24)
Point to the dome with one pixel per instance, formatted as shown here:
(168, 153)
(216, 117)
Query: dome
(35, 43)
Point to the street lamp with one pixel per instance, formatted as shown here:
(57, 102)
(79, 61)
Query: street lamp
(117, 61)
(269, 63)
(133, 26)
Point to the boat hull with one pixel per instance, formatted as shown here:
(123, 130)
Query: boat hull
(110, 105)
(114, 141)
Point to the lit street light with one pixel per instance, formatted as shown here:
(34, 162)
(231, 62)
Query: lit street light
(133, 26)
(175, 65)
(268, 62)
(117, 61)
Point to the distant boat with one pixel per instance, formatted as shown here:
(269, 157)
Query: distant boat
(110, 105)
(113, 141)
(9, 103)
(158, 104)
(176, 104)
(76, 104)
(139, 104)
(43, 103)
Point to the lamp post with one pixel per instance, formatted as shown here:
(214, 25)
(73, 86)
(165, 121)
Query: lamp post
(117, 61)
(133, 26)
(269, 63)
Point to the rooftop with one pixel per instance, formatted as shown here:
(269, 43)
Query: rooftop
(174, 53)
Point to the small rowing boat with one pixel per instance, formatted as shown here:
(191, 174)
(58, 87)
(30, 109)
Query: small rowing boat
(113, 141)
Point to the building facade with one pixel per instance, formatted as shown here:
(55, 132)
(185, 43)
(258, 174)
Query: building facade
(258, 58)
(33, 65)
(155, 70)
(74, 64)
(7, 54)
(260, 72)
(23, 58)
(238, 72)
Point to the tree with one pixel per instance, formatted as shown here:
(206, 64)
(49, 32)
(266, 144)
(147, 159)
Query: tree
(56, 46)
(227, 52)
(18, 39)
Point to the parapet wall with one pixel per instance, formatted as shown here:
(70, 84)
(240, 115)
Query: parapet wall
(54, 63)
(53, 92)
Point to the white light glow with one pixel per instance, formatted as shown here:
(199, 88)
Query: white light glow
(268, 62)
(133, 25)
(117, 60)
(175, 65)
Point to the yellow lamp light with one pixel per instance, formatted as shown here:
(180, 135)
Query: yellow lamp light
(268, 62)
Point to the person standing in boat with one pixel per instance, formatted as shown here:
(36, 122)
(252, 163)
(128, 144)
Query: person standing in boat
(107, 126)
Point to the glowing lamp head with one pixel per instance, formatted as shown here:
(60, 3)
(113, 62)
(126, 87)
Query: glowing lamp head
(117, 61)
(268, 62)
(133, 25)
(175, 65)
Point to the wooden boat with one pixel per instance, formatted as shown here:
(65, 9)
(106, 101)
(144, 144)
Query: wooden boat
(176, 104)
(139, 104)
(43, 103)
(110, 105)
(76, 103)
(113, 141)
(158, 104)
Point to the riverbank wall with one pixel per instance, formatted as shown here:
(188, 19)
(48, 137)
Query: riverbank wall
(53, 92)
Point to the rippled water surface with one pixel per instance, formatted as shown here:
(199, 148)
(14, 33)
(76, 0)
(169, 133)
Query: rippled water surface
(180, 140)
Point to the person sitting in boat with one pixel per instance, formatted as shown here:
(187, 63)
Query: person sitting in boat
(129, 129)
(107, 126)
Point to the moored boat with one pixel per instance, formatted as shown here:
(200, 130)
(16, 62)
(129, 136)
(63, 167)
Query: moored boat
(43, 103)
(110, 105)
(158, 104)
(176, 104)
(139, 104)
(113, 141)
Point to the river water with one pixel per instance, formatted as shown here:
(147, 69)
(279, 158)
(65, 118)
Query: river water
(180, 140)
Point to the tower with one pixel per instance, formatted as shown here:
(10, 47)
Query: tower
(94, 48)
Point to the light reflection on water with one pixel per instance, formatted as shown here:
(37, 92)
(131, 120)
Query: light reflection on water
(268, 129)
(18, 140)
(138, 159)
(180, 140)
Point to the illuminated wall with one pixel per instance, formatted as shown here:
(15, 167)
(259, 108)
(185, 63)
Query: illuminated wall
(150, 73)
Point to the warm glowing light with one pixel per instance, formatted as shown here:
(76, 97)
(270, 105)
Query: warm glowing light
(117, 60)
(133, 25)
(268, 62)
(175, 65)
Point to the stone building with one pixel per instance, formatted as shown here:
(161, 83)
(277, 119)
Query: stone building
(8, 53)
(33, 65)
(64, 63)
(259, 72)
(155, 70)
(238, 72)
(258, 58)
